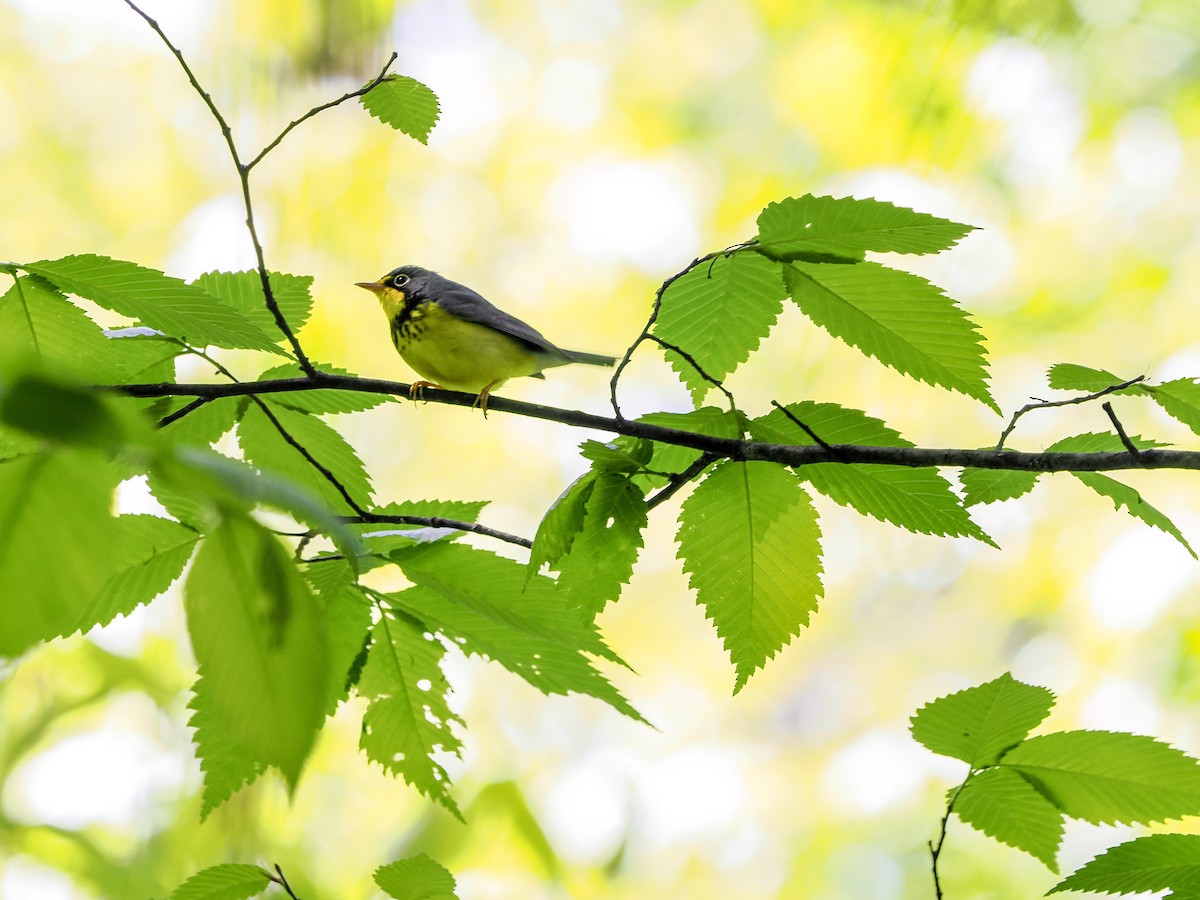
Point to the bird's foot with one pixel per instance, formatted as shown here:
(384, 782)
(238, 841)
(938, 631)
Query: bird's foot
(482, 399)
(416, 390)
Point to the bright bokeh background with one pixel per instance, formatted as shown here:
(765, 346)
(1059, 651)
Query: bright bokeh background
(589, 149)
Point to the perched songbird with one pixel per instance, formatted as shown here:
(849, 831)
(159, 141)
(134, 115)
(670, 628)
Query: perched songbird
(458, 340)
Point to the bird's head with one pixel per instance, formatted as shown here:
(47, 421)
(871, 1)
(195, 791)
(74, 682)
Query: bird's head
(401, 287)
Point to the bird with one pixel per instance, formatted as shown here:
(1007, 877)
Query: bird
(457, 340)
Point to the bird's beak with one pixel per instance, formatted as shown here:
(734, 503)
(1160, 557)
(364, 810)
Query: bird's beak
(375, 287)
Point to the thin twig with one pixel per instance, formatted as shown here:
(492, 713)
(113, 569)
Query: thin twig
(374, 82)
(1112, 417)
(243, 172)
(437, 522)
(691, 361)
(796, 421)
(183, 411)
(935, 850)
(645, 333)
(312, 460)
(280, 879)
(676, 482)
(722, 448)
(1048, 404)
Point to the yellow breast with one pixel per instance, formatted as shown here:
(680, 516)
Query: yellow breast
(455, 353)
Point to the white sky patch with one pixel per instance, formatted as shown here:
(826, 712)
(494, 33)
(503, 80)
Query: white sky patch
(572, 93)
(1122, 705)
(108, 777)
(876, 771)
(640, 212)
(1148, 153)
(22, 878)
(1015, 82)
(691, 795)
(587, 811)
(213, 236)
(581, 21)
(441, 43)
(1137, 578)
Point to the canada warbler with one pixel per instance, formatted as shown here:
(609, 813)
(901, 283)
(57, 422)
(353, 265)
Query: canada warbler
(457, 340)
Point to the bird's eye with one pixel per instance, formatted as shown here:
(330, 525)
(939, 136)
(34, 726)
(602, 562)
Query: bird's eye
(400, 280)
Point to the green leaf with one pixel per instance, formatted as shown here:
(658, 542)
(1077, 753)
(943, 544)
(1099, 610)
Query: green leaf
(230, 881)
(210, 482)
(56, 543)
(918, 499)
(149, 554)
(348, 621)
(1120, 494)
(482, 601)
(1149, 863)
(896, 317)
(408, 721)
(323, 400)
(1103, 776)
(181, 310)
(979, 723)
(708, 420)
(625, 457)
(561, 524)
(1071, 377)
(749, 538)
(44, 404)
(266, 448)
(718, 312)
(1005, 806)
(1179, 399)
(846, 226)
(601, 557)
(203, 426)
(415, 878)
(259, 638)
(458, 510)
(405, 104)
(993, 485)
(140, 356)
(226, 763)
(36, 320)
(243, 291)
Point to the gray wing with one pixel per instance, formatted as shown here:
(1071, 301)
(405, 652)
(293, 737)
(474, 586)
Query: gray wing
(466, 304)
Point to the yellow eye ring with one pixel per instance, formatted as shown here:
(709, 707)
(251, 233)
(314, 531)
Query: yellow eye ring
(400, 280)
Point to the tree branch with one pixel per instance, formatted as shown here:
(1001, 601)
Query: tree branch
(1070, 401)
(720, 448)
(369, 518)
(378, 79)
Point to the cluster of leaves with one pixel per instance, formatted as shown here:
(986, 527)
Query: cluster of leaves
(282, 638)
(281, 642)
(1019, 789)
(414, 878)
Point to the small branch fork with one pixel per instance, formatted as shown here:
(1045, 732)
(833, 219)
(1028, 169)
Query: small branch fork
(280, 879)
(1071, 401)
(935, 850)
(244, 169)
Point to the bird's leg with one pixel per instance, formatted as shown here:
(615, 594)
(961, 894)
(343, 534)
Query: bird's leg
(482, 399)
(416, 390)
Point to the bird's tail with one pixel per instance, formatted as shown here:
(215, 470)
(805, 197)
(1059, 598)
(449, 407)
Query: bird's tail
(592, 359)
